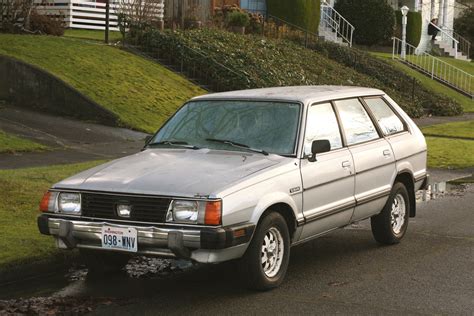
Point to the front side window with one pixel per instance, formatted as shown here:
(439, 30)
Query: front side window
(358, 127)
(268, 126)
(388, 121)
(321, 124)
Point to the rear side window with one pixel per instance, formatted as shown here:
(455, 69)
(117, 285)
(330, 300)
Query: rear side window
(357, 125)
(387, 119)
(322, 124)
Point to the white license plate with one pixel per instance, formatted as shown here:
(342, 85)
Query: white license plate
(119, 238)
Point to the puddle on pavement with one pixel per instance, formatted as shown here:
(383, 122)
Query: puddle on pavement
(77, 282)
(441, 189)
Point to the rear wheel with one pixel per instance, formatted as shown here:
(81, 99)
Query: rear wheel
(102, 262)
(264, 265)
(391, 224)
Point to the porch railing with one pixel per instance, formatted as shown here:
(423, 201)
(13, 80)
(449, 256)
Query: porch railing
(464, 45)
(435, 68)
(447, 38)
(333, 20)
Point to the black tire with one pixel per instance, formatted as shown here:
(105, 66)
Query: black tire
(382, 229)
(251, 267)
(103, 262)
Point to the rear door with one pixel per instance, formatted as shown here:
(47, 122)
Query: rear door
(374, 160)
(328, 182)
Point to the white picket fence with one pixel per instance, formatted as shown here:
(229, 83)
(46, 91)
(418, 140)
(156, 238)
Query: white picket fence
(83, 14)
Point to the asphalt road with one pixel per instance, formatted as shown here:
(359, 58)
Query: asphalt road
(345, 272)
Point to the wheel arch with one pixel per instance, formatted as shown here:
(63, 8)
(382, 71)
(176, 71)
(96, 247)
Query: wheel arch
(285, 210)
(406, 177)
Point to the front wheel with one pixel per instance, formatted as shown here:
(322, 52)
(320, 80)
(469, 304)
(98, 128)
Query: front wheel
(264, 265)
(391, 224)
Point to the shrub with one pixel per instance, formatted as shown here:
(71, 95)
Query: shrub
(238, 19)
(374, 20)
(46, 24)
(465, 27)
(414, 22)
(303, 13)
(253, 62)
(406, 90)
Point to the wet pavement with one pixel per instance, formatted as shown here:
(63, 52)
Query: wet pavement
(344, 272)
(69, 140)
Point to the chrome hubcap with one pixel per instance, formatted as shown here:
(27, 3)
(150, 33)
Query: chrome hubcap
(398, 213)
(272, 252)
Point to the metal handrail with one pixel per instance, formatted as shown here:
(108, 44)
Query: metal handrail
(445, 34)
(434, 67)
(464, 44)
(345, 29)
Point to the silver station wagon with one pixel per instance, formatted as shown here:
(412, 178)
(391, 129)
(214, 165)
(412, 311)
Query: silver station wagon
(247, 175)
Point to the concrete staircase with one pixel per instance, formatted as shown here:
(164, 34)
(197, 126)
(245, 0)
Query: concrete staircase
(328, 35)
(447, 50)
(333, 27)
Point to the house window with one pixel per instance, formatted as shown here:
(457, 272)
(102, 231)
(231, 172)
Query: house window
(257, 6)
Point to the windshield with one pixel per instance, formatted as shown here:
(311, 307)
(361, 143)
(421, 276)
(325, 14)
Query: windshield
(234, 125)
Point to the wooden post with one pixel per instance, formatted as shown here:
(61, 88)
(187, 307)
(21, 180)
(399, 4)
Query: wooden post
(107, 16)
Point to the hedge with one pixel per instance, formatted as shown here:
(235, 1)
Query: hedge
(414, 22)
(373, 20)
(303, 13)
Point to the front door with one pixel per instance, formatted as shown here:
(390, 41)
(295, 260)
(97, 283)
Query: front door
(328, 182)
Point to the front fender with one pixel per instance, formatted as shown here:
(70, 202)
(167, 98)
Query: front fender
(275, 198)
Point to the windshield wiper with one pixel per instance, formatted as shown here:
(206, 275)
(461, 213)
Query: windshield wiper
(174, 143)
(238, 145)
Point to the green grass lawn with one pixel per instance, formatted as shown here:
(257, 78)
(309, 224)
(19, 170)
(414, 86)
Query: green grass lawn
(96, 35)
(467, 103)
(142, 93)
(11, 144)
(457, 129)
(450, 153)
(20, 193)
(446, 151)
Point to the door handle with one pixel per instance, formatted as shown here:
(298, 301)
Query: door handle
(346, 164)
(387, 153)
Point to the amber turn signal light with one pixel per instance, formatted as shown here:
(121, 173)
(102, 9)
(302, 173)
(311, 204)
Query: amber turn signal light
(44, 204)
(213, 213)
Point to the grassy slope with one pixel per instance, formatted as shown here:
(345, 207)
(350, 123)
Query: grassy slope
(467, 104)
(142, 93)
(450, 152)
(10, 144)
(20, 193)
(92, 35)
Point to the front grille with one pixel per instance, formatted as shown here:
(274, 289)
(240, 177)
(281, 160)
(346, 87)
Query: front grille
(144, 209)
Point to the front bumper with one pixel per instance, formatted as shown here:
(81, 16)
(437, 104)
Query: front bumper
(207, 244)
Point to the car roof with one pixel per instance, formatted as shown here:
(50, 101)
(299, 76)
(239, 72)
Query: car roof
(304, 94)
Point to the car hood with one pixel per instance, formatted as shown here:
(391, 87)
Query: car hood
(171, 172)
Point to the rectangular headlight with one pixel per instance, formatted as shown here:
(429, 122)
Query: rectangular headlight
(195, 212)
(183, 211)
(69, 203)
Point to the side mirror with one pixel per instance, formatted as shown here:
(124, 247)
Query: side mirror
(319, 146)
